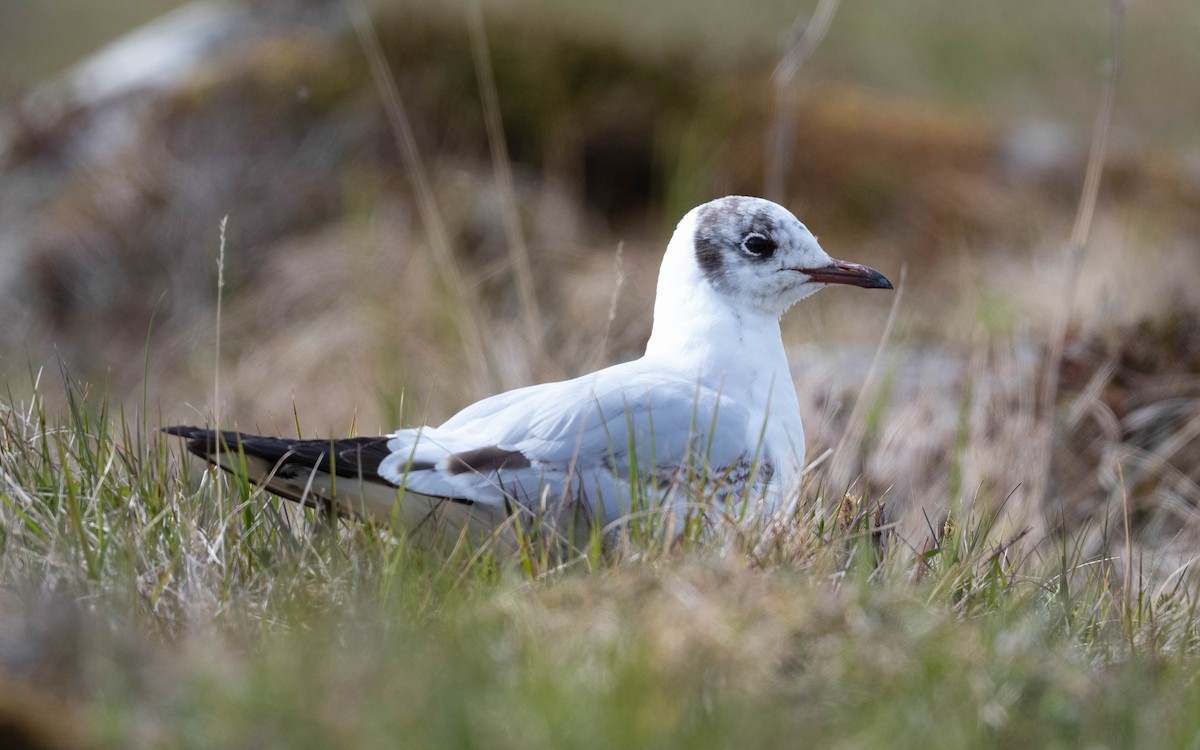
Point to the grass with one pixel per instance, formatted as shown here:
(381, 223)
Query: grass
(174, 610)
(145, 602)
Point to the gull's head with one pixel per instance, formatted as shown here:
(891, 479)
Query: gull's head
(756, 255)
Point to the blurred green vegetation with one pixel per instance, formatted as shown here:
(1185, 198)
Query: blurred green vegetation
(1032, 60)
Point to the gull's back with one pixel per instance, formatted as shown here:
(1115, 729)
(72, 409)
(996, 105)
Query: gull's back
(593, 445)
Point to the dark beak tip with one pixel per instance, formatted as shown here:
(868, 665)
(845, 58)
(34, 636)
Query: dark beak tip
(850, 274)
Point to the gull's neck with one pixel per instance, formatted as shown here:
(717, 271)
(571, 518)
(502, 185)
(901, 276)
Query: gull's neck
(698, 333)
(698, 330)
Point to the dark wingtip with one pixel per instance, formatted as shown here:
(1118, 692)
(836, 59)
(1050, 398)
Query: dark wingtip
(194, 434)
(199, 440)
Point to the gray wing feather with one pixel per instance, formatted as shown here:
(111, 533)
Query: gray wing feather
(585, 436)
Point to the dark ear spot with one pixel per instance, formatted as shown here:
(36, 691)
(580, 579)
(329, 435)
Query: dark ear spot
(709, 240)
(708, 255)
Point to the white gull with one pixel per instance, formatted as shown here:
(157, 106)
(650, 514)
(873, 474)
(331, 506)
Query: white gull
(707, 417)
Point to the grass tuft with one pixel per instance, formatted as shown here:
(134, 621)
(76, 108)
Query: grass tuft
(195, 608)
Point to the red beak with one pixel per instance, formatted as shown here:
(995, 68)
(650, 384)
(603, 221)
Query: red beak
(843, 272)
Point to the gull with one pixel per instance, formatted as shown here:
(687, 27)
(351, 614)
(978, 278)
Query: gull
(707, 416)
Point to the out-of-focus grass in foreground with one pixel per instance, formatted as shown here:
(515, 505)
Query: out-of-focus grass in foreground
(184, 610)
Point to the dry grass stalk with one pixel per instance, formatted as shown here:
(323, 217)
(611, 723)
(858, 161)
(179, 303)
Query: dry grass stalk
(518, 248)
(470, 318)
(781, 136)
(1074, 254)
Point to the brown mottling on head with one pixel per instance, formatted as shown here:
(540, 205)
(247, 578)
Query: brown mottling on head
(720, 226)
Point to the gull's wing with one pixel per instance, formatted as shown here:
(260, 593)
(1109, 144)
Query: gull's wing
(599, 440)
(343, 472)
(586, 439)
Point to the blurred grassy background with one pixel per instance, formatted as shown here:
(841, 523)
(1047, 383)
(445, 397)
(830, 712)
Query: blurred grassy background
(942, 142)
(1037, 60)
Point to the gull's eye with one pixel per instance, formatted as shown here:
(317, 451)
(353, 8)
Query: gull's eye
(758, 245)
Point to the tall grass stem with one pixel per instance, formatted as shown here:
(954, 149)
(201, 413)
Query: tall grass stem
(468, 315)
(518, 248)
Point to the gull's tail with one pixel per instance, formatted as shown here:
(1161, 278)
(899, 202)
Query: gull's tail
(338, 473)
(341, 474)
